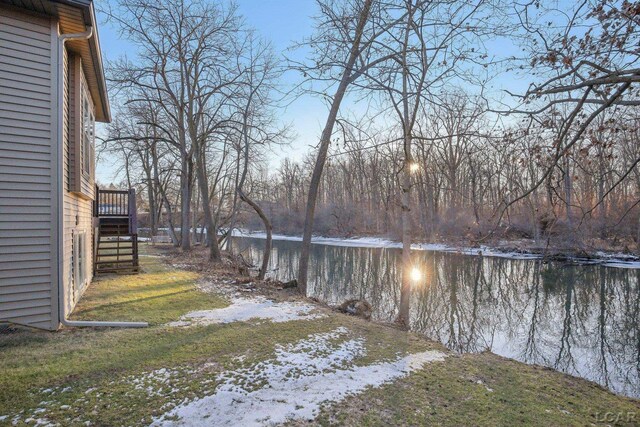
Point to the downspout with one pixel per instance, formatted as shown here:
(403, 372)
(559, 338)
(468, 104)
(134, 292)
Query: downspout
(62, 317)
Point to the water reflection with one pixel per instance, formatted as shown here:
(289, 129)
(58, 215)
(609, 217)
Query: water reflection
(583, 320)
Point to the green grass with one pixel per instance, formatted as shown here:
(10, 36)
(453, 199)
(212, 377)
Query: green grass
(84, 358)
(485, 389)
(104, 375)
(158, 295)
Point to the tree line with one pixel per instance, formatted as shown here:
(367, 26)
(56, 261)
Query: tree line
(460, 181)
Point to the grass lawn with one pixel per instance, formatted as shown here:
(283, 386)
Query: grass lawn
(130, 376)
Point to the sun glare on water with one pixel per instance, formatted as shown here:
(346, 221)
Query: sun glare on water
(416, 274)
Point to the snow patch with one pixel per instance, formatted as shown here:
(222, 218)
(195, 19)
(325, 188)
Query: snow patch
(161, 383)
(378, 242)
(617, 260)
(243, 309)
(294, 384)
(622, 264)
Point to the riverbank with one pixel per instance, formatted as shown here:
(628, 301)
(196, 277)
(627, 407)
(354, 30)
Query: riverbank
(223, 349)
(521, 249)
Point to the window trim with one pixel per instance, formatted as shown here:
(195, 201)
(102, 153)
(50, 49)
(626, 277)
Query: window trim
(80, 264)
(87, 132)
(83, 178)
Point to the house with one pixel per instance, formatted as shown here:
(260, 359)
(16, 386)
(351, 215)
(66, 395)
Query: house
(52, 90)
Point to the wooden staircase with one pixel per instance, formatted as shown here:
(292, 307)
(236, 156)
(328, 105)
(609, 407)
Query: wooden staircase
(116, 238)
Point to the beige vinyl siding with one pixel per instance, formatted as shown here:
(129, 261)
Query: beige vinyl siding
(77, 210)
(27, 173)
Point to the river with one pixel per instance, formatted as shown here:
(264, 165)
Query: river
(580, 319)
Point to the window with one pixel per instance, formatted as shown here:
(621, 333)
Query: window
(80, 259)
(87, 134)
(81, 132)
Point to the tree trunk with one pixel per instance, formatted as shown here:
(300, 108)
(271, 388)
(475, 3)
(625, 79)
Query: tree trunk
(153, 224)
(405, 202)
(638, 237)
(269, 229)
(567, 190)
(185, 204)
(234, 208)
(474, 197)
(214, 248)
(194, 220)
(325, 140)
(602, 211)
(165, 199)
(405, 199)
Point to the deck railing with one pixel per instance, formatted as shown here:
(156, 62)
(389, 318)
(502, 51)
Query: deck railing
(112, 203)
(116, 203)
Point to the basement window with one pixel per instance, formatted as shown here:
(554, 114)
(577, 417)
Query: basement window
(80, 259)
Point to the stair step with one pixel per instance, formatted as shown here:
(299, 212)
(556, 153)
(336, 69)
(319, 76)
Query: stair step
(116, 249)
(113, 242)
(121, 238)
(128, 261)
(127, 255)
(117, 270)
(114, 264)
(120, 255)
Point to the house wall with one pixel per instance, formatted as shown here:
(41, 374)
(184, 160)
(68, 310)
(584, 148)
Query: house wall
(28, 291)
(77, 209)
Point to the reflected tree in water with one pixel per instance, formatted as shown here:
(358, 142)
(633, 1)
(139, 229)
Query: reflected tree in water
(583, 320)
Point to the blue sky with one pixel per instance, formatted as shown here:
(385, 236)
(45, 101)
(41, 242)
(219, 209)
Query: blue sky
(280, 21)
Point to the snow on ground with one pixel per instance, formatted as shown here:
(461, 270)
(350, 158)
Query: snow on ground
(167, 384)
(294, 384)
(618, 260)
(378, 242)
(622, 264)
(608, 260)
(243, 309)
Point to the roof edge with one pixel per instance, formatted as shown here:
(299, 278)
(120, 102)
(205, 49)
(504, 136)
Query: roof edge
(89, 15)
(97, 54)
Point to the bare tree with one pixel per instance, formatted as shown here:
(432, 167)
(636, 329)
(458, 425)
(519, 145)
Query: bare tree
(180, 67)
(339, 41)
(257, 123)
(424, 51)
(584, 72)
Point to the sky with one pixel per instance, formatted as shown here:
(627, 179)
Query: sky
(283, 22)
